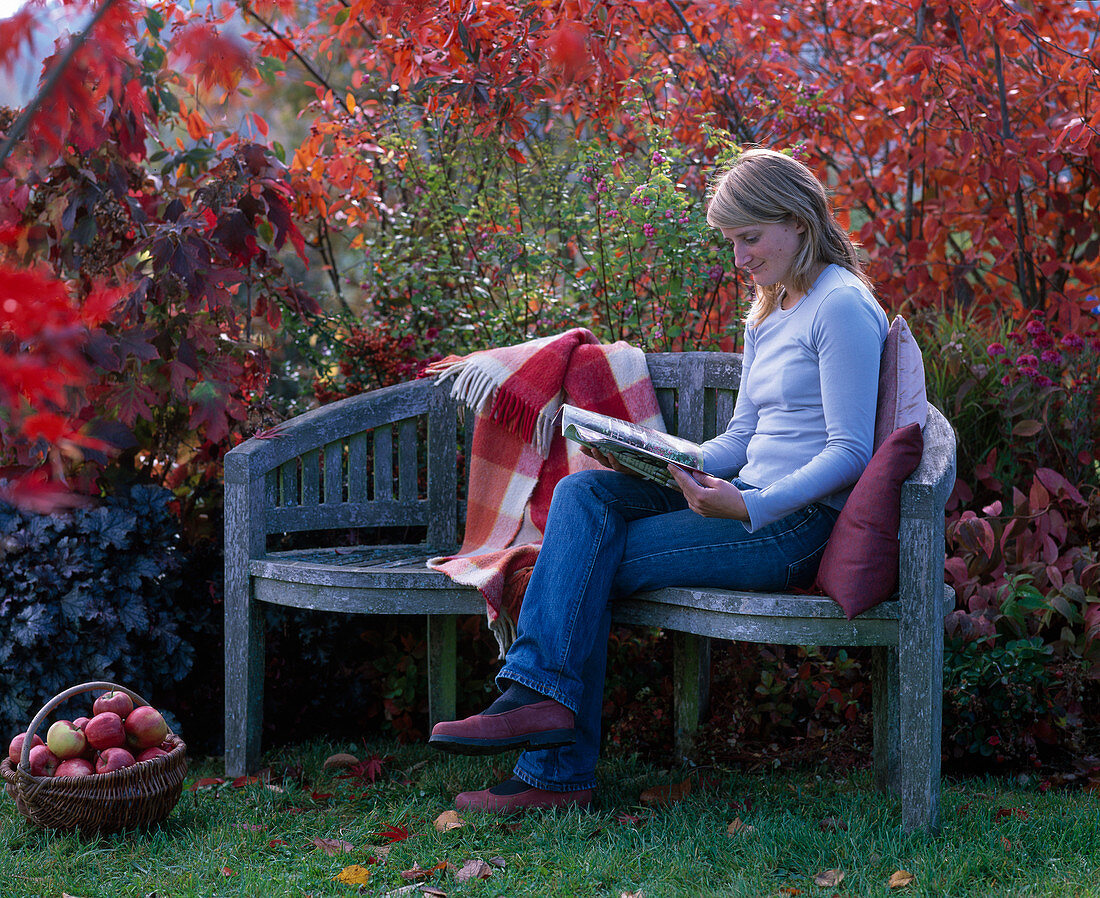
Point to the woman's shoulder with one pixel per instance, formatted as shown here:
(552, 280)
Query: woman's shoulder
(845, 299)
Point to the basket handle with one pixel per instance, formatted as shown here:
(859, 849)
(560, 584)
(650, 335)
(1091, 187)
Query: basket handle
(25, 754)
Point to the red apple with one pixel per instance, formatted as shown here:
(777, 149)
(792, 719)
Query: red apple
(16, 746)
(113, 759)
(116, 701)
(65, 739)
(74, 767)
(43, 762)
(81, 722)
(145, 727)
(150, 753)
(105, 731)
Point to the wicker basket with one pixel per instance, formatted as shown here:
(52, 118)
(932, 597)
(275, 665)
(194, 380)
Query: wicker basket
(135, 796)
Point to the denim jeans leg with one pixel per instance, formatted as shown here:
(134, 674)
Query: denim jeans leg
(570, 585)
(573, 767)
(565, 618)
(609, 536)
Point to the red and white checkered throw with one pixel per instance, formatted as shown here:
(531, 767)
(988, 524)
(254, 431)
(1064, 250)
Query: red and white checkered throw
(519, 455)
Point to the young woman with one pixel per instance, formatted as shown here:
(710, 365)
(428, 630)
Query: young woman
(800, 436)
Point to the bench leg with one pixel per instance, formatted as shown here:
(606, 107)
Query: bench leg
(441, 667)
(244, 683)
(885, 708)
(691, 687)
(920, 674)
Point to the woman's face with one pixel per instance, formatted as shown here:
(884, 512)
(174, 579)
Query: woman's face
(766, 251)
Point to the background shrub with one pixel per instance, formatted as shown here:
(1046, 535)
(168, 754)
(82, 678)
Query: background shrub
(89, 596)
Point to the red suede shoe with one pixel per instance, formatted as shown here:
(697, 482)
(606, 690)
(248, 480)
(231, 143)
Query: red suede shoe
(514, 796)
(545, 724)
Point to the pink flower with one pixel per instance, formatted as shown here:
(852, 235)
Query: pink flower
(995, 349)
(1052, 357)
(1043, 340)
(1027, 360)
(1029, 371)
(1043, 381)
(1073, 342)
(1035, 327)
(1007, 380)
(648, 229)
(657, 158)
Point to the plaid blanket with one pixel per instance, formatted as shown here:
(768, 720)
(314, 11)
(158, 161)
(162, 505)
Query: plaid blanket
(518, 457)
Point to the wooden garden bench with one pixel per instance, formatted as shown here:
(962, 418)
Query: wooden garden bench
(333, 468)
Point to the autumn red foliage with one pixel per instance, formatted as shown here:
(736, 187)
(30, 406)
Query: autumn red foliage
(145, 222)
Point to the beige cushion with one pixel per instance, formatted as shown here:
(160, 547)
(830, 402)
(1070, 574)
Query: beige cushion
(901, 395)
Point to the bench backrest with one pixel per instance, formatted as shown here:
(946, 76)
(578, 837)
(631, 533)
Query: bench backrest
(391, 457)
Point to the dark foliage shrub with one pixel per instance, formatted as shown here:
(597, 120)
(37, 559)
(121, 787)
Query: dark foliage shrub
(89, 595)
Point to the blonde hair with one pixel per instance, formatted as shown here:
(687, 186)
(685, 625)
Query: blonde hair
(763, 186)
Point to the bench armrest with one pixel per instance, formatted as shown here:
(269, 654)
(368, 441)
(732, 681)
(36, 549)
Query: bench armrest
(924, 494)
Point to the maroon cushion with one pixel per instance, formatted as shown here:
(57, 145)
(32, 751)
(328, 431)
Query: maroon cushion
(860, 566)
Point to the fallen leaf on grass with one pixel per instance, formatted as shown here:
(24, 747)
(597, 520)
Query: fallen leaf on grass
(226, 871)
(832, 824)
(1019, 813)
(659, 796)
(433, 891)
(241, 781)
(790, 890)
(1005, 844)
(331, 847)
(637, 894)
(207, 782)
(448, 820)
(355, 875)
(738, 826)
(339, 761)
(899, 879)
(498, 861)
(403, 890)
(417, 872)
(276, 842)
(367, 771)
(321, 796)
(392, 834)
(378, 852)
(474, 869)
(829, 879)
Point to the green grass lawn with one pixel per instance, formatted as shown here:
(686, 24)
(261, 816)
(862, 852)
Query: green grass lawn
(997, 838)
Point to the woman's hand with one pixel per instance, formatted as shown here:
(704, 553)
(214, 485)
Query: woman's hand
(608, 461)
(709, 496)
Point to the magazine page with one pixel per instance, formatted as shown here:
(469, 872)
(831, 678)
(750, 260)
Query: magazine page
(642, 449)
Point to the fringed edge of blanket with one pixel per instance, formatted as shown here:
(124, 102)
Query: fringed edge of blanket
(504, 629)
(531, 424)
(472, 386)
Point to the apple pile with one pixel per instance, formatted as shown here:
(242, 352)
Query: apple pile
(117, 735)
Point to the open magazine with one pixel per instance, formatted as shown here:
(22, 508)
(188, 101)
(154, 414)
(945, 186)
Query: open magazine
(646, 451)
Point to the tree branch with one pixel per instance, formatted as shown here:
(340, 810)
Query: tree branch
(1025, 272)
(19, 126)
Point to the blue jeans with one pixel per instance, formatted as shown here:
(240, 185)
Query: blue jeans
(609, 535)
